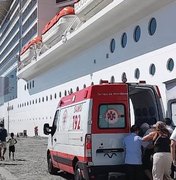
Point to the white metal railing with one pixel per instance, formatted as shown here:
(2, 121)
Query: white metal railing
(87, 8)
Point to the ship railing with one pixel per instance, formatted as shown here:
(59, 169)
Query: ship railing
(35, 48)
(85, 9)
(72, 27)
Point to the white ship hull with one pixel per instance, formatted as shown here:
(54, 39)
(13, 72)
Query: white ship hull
(87, 57)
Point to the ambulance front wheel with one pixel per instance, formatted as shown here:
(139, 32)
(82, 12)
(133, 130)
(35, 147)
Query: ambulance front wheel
(51, 169)
(78, 173)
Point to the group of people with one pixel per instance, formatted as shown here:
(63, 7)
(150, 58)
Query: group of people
(150, 151)
(3, 143)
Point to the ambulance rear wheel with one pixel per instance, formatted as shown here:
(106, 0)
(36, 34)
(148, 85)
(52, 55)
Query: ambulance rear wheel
(51, 168)
(78, 173)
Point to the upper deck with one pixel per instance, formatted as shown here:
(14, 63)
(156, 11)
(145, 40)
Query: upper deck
(70, 42)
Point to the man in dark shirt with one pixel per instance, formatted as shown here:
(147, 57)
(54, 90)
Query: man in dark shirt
(3, 135)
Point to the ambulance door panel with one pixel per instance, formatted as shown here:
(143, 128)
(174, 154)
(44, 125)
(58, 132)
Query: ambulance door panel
(112, 126)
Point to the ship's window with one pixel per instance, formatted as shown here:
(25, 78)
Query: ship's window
(92, 83)
(36, 101)
(32, 101)
(137, 73)
(112, 45)
(152, 26)
(84, 86)
(170, 64)
(25, 87)
(71, 91)
(39, 100)
(43, 99)
(137, 33)
(60, 94)
(55, 95)
(27, 103)
(32, 83)
(77, 88)
(51, 97)
(152, 69)
(112, 79)
(24, 104)
(65, 92)
(46, 98)
(124, 40)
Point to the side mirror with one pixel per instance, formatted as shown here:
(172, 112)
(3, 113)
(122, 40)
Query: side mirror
(46, 129)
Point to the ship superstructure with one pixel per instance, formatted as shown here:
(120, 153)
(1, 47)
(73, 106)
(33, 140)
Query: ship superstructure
(81, 43)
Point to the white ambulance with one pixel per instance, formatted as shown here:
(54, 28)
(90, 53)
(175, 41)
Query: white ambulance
(86, 138)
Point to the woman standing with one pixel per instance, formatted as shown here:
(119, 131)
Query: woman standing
(162, 157)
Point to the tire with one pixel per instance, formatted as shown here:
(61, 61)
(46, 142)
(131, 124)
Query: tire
(78, 174)
(51, 168)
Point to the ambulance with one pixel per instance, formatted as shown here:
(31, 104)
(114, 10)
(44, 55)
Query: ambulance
(86, 137)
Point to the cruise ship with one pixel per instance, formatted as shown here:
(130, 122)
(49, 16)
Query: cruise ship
(52, 48)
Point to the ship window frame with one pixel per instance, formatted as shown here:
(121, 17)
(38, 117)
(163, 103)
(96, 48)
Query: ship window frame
(137, 33)
(124, 40)
(170, 64)
(112, 45)
(137, 73)
(152, 69)
(152, 26)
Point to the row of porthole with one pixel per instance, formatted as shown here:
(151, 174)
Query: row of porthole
(43, 99)
(31, 119)
(136, 35)
(152, 69)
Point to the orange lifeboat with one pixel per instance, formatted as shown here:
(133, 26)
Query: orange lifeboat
(28, 52)
(54, 29)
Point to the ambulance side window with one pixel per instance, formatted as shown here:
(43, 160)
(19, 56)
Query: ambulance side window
(54, 126)
(111, 116)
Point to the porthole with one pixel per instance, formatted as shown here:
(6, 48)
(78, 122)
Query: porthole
(124, 40)
(65, 93)
(60, 94)
(152, 26)
(137, 33)
(137, 73)
(170, 64)
(152, 69)
(112, 79)
(112, 45)
(55, 95)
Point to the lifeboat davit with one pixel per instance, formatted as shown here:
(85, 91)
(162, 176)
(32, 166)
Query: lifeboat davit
(29, 51)
(55, 28)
